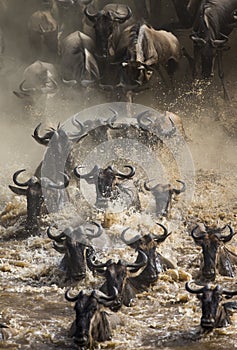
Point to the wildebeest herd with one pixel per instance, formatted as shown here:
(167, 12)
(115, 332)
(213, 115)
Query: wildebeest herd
(66, 53)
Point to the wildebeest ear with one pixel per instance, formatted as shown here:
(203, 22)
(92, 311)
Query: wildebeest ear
(17, 190)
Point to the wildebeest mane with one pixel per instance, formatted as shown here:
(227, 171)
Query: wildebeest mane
(141, 46)
(133, 39)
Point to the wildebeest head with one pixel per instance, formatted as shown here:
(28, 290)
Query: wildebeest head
(155, 125)
(148, 244)
(34, 196)
(39, 79)
(211, 240)
(105, 180)
(134, 75)
(116, 275)
(105, 21)
(45, 139)
(73, 242)
(163, 196)
(213, 312)
(91, 323)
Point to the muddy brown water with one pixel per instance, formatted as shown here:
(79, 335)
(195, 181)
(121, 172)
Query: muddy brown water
(32, 286)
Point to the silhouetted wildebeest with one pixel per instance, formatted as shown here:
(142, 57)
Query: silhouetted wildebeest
(216, 256)
(214, 313)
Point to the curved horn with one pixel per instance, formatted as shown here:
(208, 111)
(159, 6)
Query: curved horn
(219, 42)
(229, 292)
(198, 237)
(142, 263)
(98, 233)
(125, 17)
(126, 176)
(91, 16)
(144, 116)
(78, 125)
(176, 191)
(229, 237)
(16, 182)
(92, 266)
(22, 89)
(107, 299)
(106, 87)
(149, 188)
(58, 238)
(197, 39)
(73, 299)
(42, 140)
(59, 248)
(111, 120)
(161, 238)
(47, 183)
(193, 291)
(132, 240)
(71, 82)
(171, 131)
(85, 176)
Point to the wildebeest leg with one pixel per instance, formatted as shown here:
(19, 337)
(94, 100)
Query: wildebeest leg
(221, 73)
(191, 60)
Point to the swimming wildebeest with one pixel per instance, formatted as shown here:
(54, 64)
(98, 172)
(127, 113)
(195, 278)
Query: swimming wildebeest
(215, 314)
(216, 256)
(92, 321)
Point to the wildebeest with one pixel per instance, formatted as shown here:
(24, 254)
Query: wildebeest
(98, 129)
(106, 23)
(214, 22)
(92, 321)
(118, 276)
(40, 80)
(106, 182)
(142, 49)
(156, 124)
(156, 262)
(216, 256)
(214, 313)
(73, 242)
(77, 59)
(34, 196)
(43, 35)
(163, 196)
